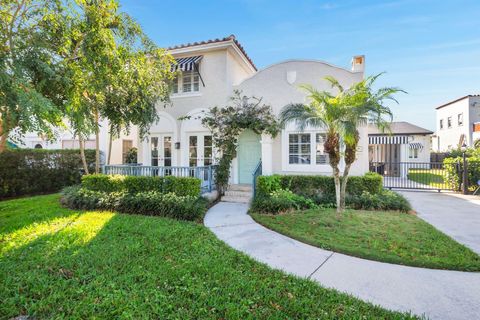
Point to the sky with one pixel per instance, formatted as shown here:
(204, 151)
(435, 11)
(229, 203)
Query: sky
(429, 48)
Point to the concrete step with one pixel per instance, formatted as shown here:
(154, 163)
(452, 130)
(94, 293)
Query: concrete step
(234, 193)
(236, 199)
(240, 187)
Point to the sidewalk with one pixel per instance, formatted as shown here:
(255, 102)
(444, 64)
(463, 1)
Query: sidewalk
(438, 294)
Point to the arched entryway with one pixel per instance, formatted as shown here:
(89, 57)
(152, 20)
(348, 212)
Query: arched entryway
(249, 154)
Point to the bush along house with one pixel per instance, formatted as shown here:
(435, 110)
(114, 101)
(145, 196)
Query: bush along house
(210, 72)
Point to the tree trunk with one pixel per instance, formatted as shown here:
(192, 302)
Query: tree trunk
(110, 142)
(81, 144)
(343, 189)
(97, 142)
(336, 179)
(3, 137)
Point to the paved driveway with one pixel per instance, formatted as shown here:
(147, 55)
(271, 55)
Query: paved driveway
(455, 215)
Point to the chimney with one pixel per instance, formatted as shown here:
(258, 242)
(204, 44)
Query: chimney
(358, 63)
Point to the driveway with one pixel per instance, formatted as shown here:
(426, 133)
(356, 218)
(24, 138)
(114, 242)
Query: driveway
(454, 214)
(437, 294)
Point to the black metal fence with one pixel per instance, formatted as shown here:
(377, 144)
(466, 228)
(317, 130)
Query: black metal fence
(413, 175)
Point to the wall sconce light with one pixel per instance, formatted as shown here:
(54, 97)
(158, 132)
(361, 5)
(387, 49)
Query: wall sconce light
(177, 145)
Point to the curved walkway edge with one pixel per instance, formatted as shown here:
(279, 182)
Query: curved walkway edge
(437, 294)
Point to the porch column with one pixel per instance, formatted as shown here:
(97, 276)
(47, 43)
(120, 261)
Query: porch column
(267, 157)
(145, 160)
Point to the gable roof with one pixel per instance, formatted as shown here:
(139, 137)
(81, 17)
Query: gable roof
(400, 127)
(230, 38)
(464, 97)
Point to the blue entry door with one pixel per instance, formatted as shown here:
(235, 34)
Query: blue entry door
(249, 154)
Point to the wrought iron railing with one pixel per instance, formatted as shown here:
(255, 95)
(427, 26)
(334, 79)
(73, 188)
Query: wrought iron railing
(206, 174)
(256, 173)
(412, 175)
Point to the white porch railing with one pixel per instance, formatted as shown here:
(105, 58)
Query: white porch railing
(206, 174)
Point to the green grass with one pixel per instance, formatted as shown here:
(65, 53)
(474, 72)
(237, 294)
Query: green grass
(429, 177)
(393, 237)
(58, 263)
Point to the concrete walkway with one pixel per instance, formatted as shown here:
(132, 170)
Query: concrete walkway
(437, 294)
(454, 214)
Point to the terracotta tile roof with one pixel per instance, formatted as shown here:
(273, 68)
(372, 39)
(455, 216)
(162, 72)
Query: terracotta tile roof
(401, 127)
(229, 38)
(449, 103)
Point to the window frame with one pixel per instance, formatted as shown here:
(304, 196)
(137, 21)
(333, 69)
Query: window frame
(441, 124)
(179, 83)
(313, 166)
(460, 116)
(449, 122)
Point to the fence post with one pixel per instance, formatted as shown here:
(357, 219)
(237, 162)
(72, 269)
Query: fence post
(465, 175)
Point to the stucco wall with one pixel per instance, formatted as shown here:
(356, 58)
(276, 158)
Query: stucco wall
(277, 91)
(448, 138)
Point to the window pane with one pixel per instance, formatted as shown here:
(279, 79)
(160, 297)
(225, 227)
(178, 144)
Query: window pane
(299, 148)
(175, 85)
(196, 82)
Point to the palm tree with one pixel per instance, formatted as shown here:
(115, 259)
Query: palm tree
(341, 116)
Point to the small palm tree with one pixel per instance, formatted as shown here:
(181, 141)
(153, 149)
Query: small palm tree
(341, 116)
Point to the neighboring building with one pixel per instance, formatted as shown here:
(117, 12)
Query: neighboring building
(457, 122)
(405, 143)
(211, 71)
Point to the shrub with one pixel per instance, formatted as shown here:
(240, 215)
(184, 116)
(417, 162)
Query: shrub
(453, 168)
(317, 187)
(385, 200)
(181, 186)
(32, 171)
(281, 201)
(147, 203)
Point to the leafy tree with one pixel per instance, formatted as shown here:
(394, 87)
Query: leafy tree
(341, 115)
(227, 123)
(115, 72)
(29, 71)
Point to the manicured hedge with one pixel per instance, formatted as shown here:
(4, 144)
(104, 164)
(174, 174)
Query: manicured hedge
(181, 186)
(152, 203)
(318, 186)
(453, 168)
(33, 171)
(280, 193)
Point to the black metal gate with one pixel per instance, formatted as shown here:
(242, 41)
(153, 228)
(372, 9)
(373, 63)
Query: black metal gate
(413, 175)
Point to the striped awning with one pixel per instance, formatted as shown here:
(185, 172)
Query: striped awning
(415, 145)
(186, 64)
(387, 139)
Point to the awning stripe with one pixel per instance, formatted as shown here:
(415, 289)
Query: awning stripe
(387, 139)
(415, 145)
(186, 64)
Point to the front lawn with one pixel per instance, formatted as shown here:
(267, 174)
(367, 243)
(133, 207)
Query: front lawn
(429, 177)
(383, 236)
(58, 263)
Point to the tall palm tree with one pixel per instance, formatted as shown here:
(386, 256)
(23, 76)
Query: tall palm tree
(341, 115)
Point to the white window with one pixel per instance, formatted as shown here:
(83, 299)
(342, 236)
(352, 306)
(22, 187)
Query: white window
(460, 119)
(441, 123)
(188, 81)
(321, 156)
(449, 122)
(413, 153)
(299, 148)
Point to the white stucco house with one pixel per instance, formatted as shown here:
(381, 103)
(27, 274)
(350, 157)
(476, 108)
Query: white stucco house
(210, 72)
(458, 122)
(405, 146)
